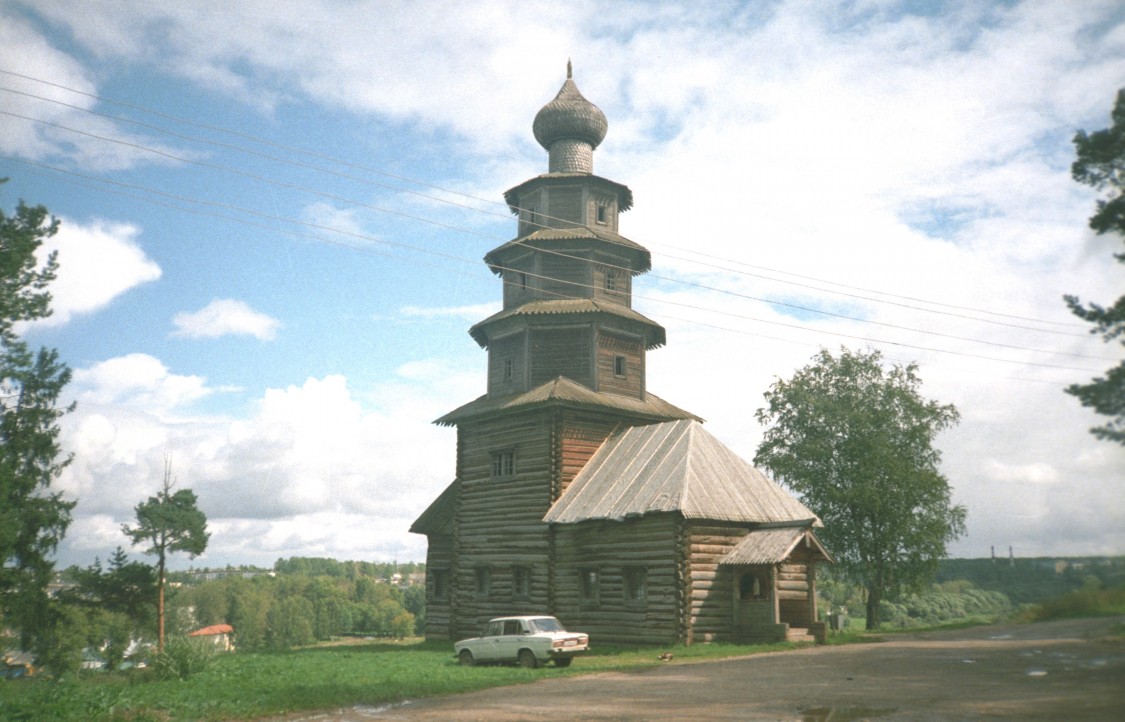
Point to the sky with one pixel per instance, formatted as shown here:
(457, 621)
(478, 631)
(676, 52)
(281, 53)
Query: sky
(274, 214)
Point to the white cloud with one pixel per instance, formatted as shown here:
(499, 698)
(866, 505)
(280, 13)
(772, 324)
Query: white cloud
(924, 156)
(225, 317)
(312, 470)
(48, 106)
(98, 263)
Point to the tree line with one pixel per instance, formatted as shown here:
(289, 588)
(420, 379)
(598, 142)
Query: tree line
(293, 609)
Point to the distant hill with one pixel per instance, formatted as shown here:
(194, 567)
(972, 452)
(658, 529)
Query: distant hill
(1032, 580)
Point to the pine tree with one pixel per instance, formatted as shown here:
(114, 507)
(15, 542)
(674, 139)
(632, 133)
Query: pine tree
(33, 519)
(1101, 165)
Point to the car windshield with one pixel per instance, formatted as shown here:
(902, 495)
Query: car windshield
(546, 624)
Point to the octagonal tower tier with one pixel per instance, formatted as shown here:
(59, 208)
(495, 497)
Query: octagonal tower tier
(568, 274)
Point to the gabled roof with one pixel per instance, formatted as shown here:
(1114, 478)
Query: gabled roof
(438, 516)
(770, 546)
(675, 466)
(562, 391)
(572, 307)
(213, 630)
(535, 240)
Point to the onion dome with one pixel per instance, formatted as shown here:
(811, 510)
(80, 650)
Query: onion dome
(570, 127)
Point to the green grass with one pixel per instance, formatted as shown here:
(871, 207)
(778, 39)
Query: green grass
(242, 686)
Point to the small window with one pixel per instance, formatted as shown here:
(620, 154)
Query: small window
(521, 582)
(611, 280)
(636, 590)
(483, 577)
(601, 213)
(532, 216)
(441, 583)
(503, 463)
(509, 368)
(619, 367)
(589, 585)
(753, 585)
(523, 281)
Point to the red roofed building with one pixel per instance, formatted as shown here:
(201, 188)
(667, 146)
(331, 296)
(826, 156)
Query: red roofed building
(220, 634)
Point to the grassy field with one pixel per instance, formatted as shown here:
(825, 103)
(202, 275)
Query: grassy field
(248, 686)
(252, 685)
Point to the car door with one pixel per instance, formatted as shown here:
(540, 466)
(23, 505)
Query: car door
(509, 645)
(489, 647)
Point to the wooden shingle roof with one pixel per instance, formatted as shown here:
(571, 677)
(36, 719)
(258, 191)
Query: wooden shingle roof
(675, 466)
(573, 308)
(548, 238)
(771, 546)
(438, 516)
(561, 391)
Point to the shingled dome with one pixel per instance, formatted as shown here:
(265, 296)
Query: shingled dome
(569, 117)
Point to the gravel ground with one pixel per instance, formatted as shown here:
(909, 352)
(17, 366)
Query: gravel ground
(1065, 670)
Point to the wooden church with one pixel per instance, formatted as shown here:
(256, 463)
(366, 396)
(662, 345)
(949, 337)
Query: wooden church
(579, 493)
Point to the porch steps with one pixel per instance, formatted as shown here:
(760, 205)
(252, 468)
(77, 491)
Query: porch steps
(798, 634)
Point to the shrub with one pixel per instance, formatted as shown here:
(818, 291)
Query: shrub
(182, 657)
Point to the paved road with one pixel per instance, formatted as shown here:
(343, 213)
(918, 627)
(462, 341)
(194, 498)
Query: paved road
(1069, 670)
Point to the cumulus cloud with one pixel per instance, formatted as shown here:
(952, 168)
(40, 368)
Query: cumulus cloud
(225, 317)
(776, 151)
(316, 469)
(98, 263)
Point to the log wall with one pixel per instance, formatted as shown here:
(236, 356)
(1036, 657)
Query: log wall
(580, 435)
(712, 587)
(499, 519)
(562, 352)
(612, 345)
(510, 348)
(613, 549)
(565, 206)
(565, 274)
(439, 555)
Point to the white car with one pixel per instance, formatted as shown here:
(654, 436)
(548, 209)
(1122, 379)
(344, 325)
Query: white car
(527, 640)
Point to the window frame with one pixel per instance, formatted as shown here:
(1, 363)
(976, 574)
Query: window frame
(440, 589)
(635, 585)
(610, 280)
(620, 366)
(482, 581)
(521, 582)
(503, 464)
(589, 587)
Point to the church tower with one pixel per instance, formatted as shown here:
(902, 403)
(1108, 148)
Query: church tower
(566, 367)
(578, 492)
(568, 275)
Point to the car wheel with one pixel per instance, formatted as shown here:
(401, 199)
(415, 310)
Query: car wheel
(465, 658)
(563, 661)
(527, 659)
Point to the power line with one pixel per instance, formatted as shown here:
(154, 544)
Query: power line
(381, 209)
(321, 156)
(397, 244)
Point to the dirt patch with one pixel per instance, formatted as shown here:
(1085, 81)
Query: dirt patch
(1069, 670)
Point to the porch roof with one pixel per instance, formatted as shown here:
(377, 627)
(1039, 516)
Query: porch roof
(773, 545)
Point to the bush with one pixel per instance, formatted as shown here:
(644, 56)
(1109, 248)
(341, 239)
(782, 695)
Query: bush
(1082, 603)
(182, 657)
